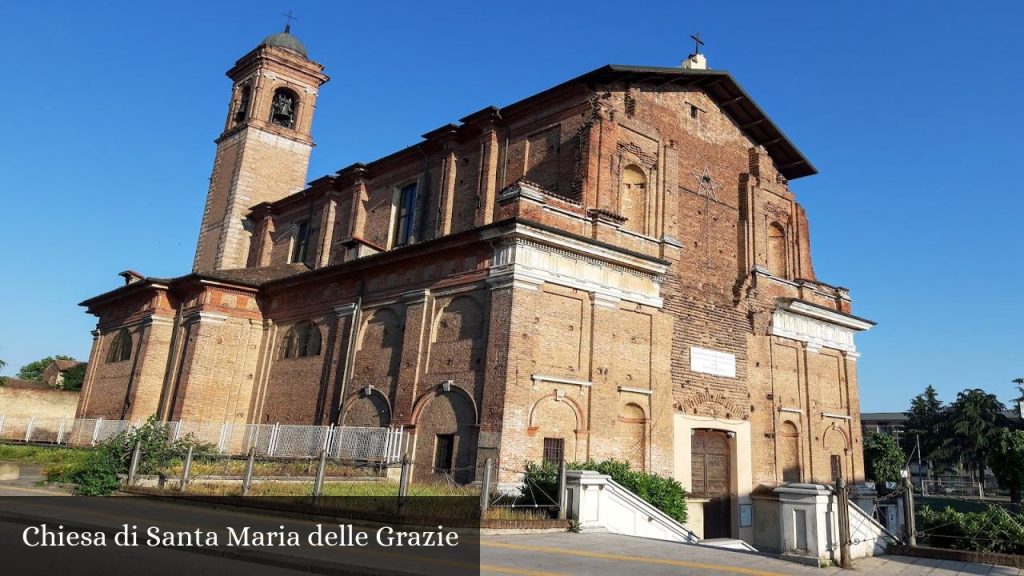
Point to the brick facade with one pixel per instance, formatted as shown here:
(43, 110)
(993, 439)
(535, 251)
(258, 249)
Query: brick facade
(569, 264)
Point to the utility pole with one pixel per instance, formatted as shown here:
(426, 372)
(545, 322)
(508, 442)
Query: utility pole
(918, 437)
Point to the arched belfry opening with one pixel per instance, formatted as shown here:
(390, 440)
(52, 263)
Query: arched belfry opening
(244, 98)
(284, 108)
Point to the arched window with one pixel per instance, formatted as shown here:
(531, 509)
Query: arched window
(777, 250)
(121, 347)
(633, 198)
(284, 108)
(302, 340)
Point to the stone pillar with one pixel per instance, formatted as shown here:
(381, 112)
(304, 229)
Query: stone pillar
(359, 197)
(448, 180)
(323, 257)
(90, 374)
(488, 176)
(806, 523)
(147, 382)
(496, 377)
(340, 374)
(266, 242)
(417, 330)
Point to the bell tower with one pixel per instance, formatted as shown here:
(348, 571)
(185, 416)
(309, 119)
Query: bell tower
(263, 153)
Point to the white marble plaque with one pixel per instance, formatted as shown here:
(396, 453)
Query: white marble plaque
(712, 362)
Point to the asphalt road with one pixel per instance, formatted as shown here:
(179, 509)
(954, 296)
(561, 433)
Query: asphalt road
(567, 554)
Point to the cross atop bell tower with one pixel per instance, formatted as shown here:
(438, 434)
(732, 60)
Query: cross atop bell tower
(263, 152)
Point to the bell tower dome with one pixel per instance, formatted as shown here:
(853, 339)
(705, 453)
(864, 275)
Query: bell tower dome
(263, 152)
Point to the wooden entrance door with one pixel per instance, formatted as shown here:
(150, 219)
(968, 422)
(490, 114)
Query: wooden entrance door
(712, 479)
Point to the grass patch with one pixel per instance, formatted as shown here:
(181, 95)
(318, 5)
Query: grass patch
(43, 455)
(379, 492)
(360, 489)
(57, 462)
(236, 467)
(60, 465)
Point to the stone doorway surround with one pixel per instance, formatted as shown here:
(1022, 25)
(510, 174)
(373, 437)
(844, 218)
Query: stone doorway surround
(739, 450)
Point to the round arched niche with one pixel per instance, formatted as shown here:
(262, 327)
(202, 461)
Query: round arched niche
(368, 410)
(633, 198)
(631, 435)
(446, 437)
(777, 250)
(554, 419)
(789, 448)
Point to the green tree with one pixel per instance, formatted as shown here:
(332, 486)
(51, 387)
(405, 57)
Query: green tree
(3, 379)
(883, 458)
(924, 421)
(34, 370)
(73, 377)
(970, 428)
(1007, 461)
(1020, 390)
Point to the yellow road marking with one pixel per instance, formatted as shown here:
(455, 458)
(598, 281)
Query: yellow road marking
(519, 571)
(718, 568)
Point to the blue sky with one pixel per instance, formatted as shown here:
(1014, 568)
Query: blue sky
(910, 115)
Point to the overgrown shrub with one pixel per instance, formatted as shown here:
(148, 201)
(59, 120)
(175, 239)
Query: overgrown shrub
(883, 458)
(665, 494)
(96, 475)
(993, 530)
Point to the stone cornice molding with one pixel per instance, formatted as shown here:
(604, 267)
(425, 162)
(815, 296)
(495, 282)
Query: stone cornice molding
(205, 317)
(528, 257)
(415, 297)
(836, 416)
(560, 380)
(345, 309)
(587, 250)
(829, 316)
(644, 391)
(817, 327)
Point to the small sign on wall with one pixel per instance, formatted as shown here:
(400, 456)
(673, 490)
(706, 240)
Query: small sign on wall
(712, 362)
(746, 516)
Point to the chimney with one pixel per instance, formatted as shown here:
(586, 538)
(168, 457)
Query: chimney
(695, 62)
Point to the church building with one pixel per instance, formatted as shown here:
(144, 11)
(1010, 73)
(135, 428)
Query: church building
(614, 267)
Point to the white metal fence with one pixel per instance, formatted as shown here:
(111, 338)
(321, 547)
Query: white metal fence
(952, 486)
(384, 445)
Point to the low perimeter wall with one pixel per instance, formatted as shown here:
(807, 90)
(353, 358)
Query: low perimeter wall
(39, 402)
